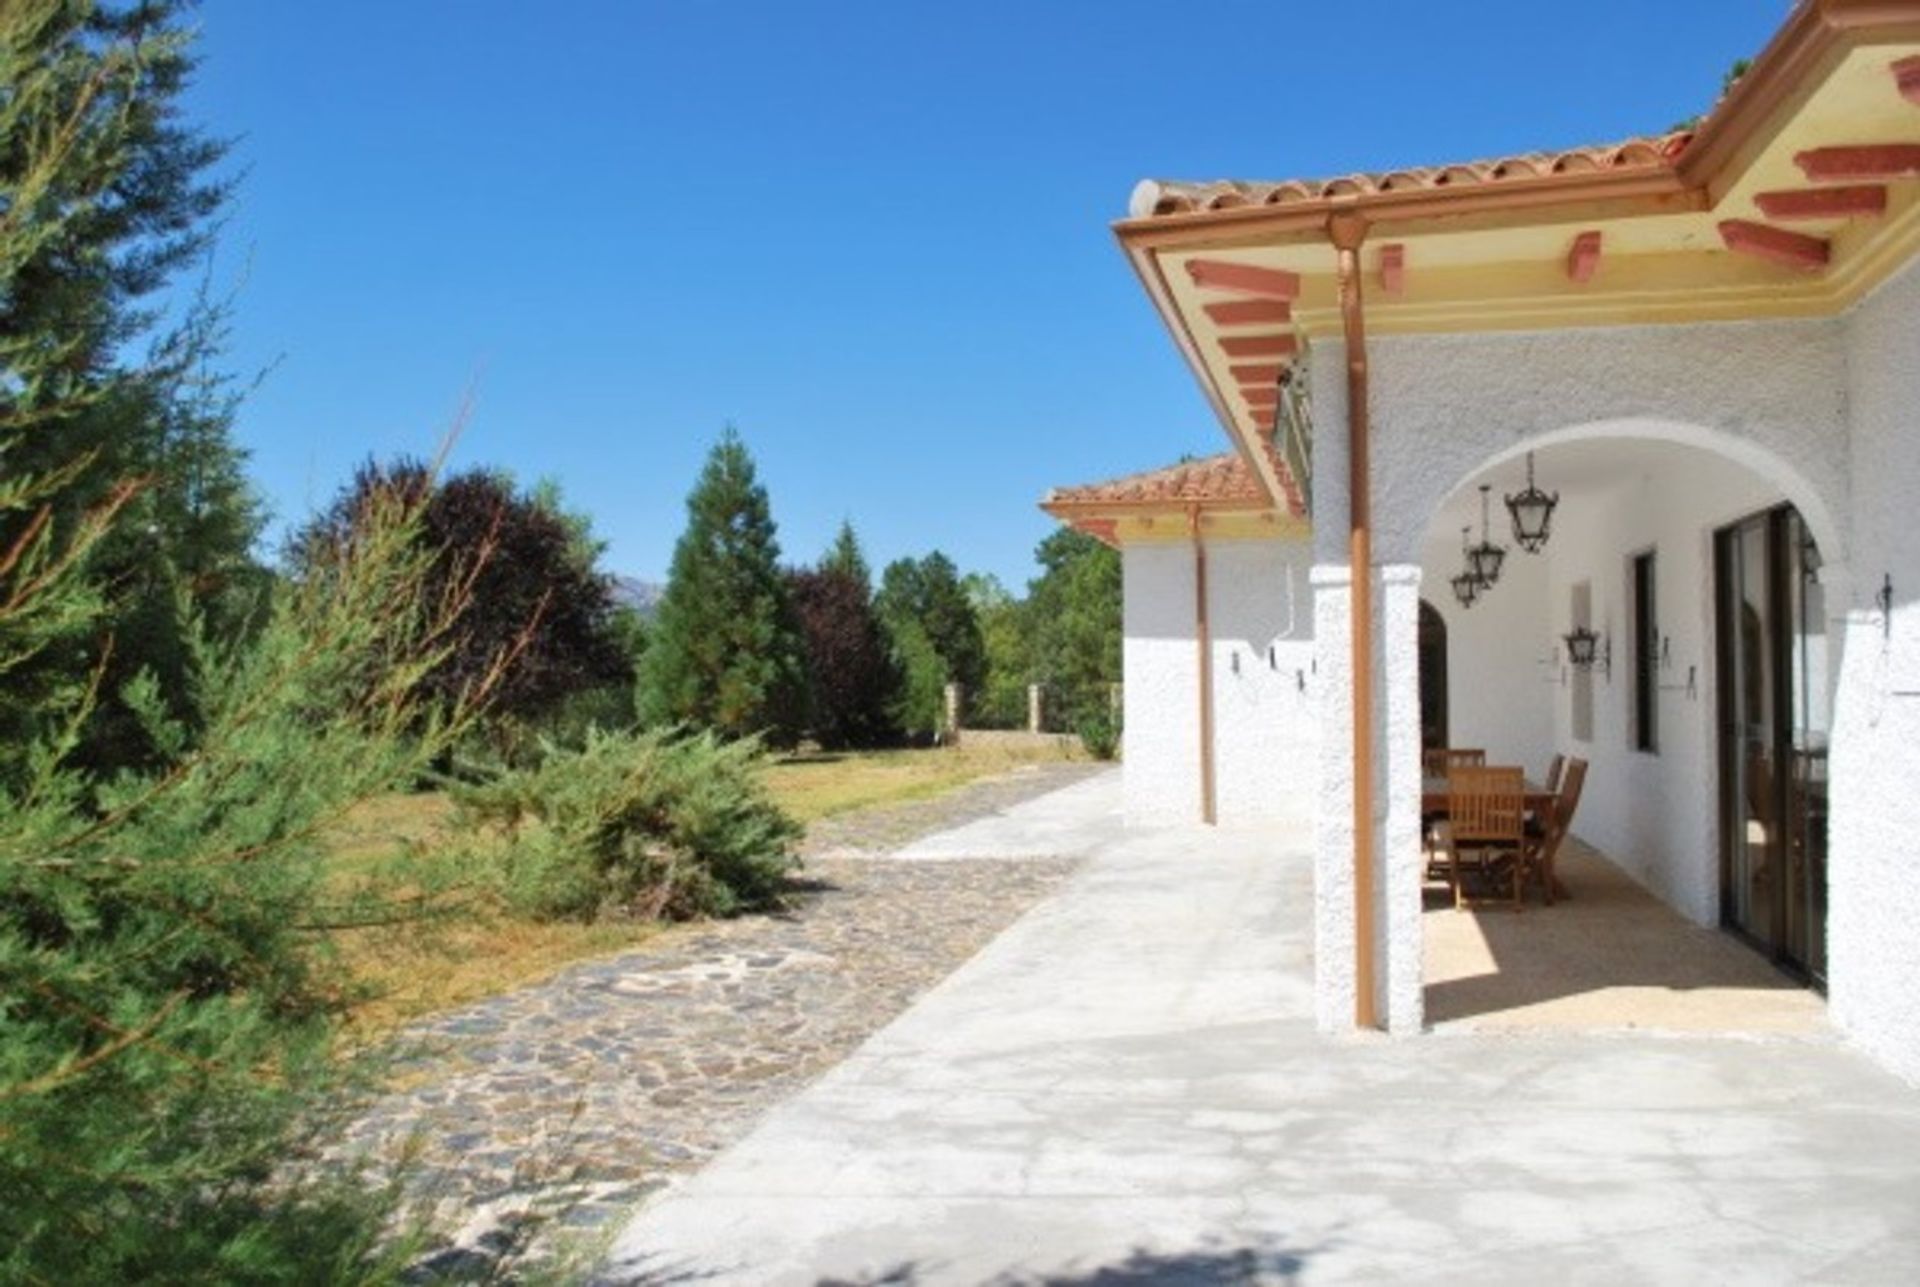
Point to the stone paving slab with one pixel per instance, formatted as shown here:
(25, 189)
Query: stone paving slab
(581, 1095)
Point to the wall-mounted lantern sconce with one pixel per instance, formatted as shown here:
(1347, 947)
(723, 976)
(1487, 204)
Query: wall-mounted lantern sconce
(1587, 649)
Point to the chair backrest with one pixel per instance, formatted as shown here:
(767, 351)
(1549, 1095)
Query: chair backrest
(1555, 772)
(1486, 804)
(1571, 785)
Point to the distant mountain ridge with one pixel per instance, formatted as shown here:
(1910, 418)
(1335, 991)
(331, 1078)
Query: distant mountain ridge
(642, 596)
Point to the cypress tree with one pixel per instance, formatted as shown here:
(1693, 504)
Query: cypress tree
(726, 651)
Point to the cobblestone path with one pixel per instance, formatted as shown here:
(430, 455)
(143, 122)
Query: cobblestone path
(575, 1098)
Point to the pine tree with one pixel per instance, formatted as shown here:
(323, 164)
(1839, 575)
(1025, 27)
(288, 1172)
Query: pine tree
(726, 652)
(105, 197)
(847, 558)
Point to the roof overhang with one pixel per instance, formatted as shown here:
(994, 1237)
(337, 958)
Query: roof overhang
(1796, 196)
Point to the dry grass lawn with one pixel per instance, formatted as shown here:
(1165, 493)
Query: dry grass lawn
(418, 969)
(811, 787)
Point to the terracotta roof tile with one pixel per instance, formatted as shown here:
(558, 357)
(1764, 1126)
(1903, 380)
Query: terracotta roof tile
(1154, 198)
(1212, 480)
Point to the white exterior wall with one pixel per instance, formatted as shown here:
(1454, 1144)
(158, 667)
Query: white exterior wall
(1160, 762)
(1497, 693)
(1265, 733)
(1655, 814)
(1873, 921)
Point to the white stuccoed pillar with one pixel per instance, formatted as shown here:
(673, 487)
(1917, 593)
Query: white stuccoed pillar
(1333, 962)
(1398, 876)
(1398, 968)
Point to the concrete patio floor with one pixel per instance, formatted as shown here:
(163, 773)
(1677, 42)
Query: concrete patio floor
(1125, 1087)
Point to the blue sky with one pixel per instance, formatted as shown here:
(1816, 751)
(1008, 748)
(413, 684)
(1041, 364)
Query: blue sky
(872, 236)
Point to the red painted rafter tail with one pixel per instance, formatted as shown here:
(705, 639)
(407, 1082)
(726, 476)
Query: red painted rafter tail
(1249, 279)
(1583, 261)
(1791, 249)
(1824, 203)
(1863, 161)
(1393, 268)
(1248, 312)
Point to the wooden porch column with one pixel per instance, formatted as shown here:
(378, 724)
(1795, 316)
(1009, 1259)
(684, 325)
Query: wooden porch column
(1203, 637)
(1347, 231)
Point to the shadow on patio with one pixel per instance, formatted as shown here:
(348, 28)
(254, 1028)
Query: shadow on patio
(1612, 956)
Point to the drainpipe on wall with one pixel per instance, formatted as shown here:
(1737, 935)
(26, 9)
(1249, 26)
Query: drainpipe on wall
(1347, 231)
(1203, 636)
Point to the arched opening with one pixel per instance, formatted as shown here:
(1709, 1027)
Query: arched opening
(1614, 645)
(1433, 677)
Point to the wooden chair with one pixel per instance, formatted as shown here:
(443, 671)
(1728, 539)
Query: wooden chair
(1438, 761)
(1543, 844)
(1555, 771)
(1485, 830)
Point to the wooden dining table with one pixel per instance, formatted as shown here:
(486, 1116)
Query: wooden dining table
(1433, 796)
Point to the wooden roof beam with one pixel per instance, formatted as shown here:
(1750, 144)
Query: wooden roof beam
(1249, 279)
(1393, 268)
(1276, 345)
(1246, 312)
(1583, 261)
(1906, 75)
(1257, 373)
(1794, 250)
(1824, 203)
(1868, 161)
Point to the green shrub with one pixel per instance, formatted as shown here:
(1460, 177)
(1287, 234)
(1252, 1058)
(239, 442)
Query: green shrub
(655, 824)
(1099, 733)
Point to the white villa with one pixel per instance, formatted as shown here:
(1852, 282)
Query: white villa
(1707, 345)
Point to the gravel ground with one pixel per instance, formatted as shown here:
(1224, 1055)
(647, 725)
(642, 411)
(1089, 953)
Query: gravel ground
(543, 1115)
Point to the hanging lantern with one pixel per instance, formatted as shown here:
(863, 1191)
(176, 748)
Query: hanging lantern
(1532, 512)
(1585, 650)
(1484, 559)
(1466, 586)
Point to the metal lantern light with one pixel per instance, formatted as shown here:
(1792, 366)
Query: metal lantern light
(1466, 586)
(1587, 649)
(1532, 512)
(1484, 559)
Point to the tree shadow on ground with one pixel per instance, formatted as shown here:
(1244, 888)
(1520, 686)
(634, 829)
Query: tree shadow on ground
(1211, 1265)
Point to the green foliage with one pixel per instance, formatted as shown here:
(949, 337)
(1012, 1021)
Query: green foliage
(1099, 731)
(649, 825)
(920, 703)
(847, 558)
(103, 200)
(725, 652)
(1004, 628)
(926, 596)
(1074, 607)
(167, 1001)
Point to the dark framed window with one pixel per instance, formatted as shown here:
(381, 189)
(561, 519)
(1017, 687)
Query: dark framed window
(1646, 655)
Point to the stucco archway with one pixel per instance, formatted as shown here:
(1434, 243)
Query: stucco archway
(1631, 489)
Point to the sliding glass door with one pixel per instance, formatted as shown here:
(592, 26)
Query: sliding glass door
(1774, 706)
